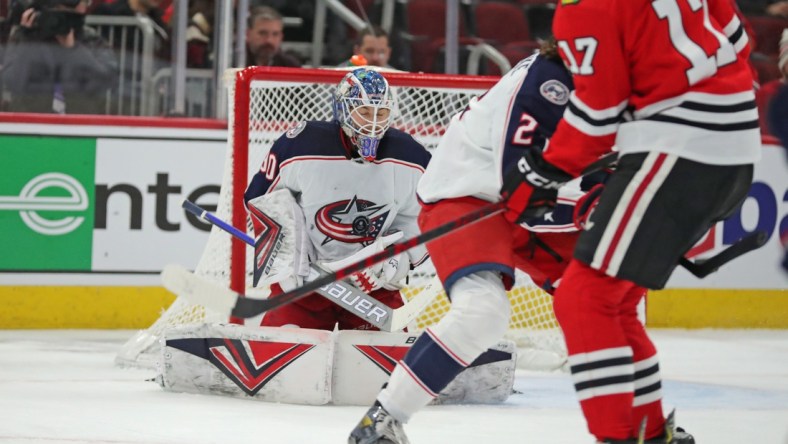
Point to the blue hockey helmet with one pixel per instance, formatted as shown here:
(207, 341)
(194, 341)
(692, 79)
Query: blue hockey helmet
(363, 106)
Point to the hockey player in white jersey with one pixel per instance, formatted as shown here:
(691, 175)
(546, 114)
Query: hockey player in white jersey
(354, 179)
(476, 263)
(327, 194)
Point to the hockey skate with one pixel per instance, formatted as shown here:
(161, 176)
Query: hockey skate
(672, 435)
(378, 427)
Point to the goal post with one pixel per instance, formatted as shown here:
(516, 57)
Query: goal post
(263, 103)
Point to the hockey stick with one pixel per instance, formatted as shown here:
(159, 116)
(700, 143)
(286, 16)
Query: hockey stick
(705, 267)
(181, 281)
(243, 307)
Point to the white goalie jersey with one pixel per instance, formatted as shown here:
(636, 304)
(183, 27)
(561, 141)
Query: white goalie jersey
(347, 203)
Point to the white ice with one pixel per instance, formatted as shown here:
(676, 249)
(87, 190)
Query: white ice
(62, 387)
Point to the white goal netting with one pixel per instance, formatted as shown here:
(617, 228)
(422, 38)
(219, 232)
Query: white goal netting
(265, 102)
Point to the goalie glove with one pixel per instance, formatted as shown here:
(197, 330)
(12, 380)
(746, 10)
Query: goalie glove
(382, 275)
(394, 270)
(530, 188)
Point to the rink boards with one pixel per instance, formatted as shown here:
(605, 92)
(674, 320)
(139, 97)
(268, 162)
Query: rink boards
(90, 214)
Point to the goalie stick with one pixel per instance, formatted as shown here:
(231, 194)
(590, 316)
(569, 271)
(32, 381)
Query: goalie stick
(239, 306)
(246, 307)
(181, 281)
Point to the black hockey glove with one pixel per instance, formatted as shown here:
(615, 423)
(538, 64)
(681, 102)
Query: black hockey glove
(530, 188)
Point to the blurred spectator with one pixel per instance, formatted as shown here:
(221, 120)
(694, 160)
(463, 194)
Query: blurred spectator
(144, 8)
(764, 96)
(264, 35)
(54, 63)
(372, 44)
(778, 105)
(777, 8)
(304, 9)
(778, 114)
(778, 123)
(199, 49)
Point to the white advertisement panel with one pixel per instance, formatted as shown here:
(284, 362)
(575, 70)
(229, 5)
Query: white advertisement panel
(142, 174)
(140, 225)
(766, 209)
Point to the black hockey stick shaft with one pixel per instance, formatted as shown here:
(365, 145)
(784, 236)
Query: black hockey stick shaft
(703, 268)
(377, 313)
(246, 307)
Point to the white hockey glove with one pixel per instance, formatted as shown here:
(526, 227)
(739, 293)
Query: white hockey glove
(382, 275)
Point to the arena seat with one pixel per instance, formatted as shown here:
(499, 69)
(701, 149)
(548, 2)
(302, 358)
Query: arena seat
(427, 32)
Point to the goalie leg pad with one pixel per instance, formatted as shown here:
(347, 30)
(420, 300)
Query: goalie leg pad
(266, 364)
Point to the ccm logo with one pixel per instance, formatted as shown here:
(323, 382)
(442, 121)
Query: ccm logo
(533, 178)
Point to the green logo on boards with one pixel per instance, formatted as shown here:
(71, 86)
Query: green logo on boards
(46, 202)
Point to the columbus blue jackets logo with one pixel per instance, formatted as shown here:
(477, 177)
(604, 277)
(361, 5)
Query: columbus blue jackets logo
(249, 364)
(295, 130)
(351, 221)
(555, 91)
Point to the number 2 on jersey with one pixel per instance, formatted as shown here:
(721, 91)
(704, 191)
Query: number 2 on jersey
(523, 135)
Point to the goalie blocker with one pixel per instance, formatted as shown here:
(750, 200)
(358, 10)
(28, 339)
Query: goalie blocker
(312, 367)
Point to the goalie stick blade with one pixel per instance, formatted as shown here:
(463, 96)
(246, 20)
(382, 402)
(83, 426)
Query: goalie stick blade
(184, 283)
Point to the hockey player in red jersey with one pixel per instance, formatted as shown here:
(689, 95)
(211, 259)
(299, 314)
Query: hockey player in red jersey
(667, 83)
(476, 263)
(354, 181)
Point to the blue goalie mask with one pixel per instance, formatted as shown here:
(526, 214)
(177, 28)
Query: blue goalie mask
(363, 106)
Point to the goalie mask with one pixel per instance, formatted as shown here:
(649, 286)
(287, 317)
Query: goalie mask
(363, 104)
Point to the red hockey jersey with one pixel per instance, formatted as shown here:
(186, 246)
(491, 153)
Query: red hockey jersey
(655, 75)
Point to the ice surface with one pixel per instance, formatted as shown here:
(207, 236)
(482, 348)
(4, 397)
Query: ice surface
(61, 387)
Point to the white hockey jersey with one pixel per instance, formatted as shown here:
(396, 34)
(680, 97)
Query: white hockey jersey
(347, 203)
(519, 112)
(481, 143)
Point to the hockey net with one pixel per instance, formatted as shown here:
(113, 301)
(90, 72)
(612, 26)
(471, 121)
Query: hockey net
(264, 103)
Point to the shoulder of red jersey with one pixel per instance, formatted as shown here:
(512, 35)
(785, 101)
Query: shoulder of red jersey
(399, 145)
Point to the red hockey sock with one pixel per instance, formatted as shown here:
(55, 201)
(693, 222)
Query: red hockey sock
(587, 305)
(648, 381)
